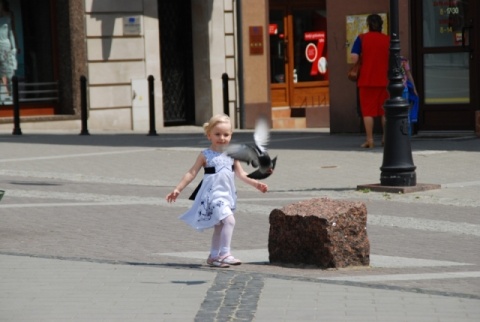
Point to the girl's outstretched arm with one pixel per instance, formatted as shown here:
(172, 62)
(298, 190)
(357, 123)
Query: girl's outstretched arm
(243, 176)
(187, 178)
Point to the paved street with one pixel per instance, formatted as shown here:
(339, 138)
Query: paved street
(86, 233)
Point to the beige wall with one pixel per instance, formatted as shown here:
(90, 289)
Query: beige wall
(214, 52)
(256, 81)
(115, 60)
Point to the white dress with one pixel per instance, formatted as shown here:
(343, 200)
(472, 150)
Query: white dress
(217, 196)
(8, 60)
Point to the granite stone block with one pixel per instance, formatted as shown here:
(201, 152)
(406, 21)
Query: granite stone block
(320, 232)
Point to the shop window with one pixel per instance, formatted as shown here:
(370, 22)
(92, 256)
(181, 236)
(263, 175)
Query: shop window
(33, 31)
(446, 70)
(310, 50)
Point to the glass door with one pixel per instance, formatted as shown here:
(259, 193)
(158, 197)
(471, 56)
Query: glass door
(447, 65)
(279, 63)
(298, 54)
(310, 66)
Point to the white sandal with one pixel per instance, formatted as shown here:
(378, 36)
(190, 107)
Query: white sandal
(216, 262)
(229, 259)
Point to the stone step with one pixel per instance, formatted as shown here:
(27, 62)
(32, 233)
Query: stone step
(281, 112)
(282, 118)
(289, 123)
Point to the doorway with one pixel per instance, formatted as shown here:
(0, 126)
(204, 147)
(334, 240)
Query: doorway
(177, 62)
(298, 54)
(447, 63)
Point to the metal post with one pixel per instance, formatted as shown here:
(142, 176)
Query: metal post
(151, 105)
(83, 103)
(240, 64)
(16, 107)
(226, 98)
(397, 168)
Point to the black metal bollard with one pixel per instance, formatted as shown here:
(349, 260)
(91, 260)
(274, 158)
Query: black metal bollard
(16, 107)
(397, 168)
(226, 107)
(151, 105)
(83, 103)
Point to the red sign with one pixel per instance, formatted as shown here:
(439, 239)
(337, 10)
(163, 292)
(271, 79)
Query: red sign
(311, 52)
(273, 29)
(458, 38)
(315, 35)
(314, 52)
(256, 40)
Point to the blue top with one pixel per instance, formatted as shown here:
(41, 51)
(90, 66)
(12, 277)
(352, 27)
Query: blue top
(357, 46)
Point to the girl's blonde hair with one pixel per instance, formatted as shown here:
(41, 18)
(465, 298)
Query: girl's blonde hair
(214, 120)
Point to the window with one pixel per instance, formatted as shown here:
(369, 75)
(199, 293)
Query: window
(310, 29)
(33, 28)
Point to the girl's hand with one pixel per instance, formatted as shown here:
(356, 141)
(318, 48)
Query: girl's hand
(172, 196)
(261, 186)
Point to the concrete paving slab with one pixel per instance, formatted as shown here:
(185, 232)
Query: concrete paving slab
(38, 289)
(260, 256)
(87, 235)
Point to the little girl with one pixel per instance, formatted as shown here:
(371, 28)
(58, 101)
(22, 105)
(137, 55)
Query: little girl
(216, 199)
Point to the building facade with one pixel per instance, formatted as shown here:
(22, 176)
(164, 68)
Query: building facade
(284, 59)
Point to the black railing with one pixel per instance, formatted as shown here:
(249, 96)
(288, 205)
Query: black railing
(29, 92)
(16, 108)
(83, 105)
(16, 92)
(226, 98)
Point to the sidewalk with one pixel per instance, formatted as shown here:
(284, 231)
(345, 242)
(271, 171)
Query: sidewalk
(86, 233)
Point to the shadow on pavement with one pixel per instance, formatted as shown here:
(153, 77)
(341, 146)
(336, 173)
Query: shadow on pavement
(289, 140)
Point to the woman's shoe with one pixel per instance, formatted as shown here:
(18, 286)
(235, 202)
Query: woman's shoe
(367, 145)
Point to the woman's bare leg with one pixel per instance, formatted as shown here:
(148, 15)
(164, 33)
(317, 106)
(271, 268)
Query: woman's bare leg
(368, 122)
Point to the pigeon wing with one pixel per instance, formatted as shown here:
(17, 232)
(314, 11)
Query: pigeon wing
(243, 152)
(261, 136)
(259, 175)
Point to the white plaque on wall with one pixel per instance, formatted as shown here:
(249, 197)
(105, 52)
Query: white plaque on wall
(132, 26)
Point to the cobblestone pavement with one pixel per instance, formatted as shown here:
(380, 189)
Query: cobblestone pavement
(86, 234)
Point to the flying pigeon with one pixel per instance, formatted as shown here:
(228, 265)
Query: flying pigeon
(255, 154)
